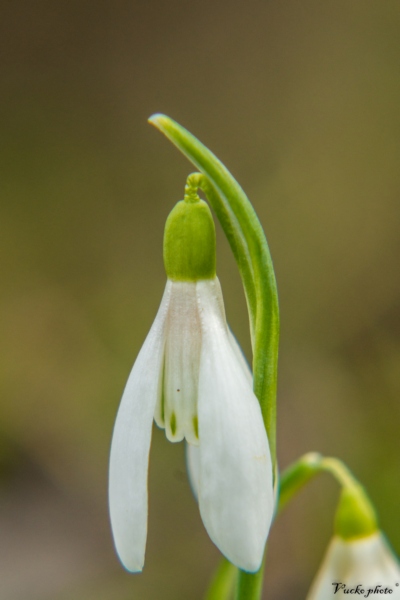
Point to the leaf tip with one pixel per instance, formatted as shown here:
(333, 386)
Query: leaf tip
(158, 120)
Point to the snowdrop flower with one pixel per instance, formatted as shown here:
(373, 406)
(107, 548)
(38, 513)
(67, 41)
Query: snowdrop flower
(190, 375)
(364, 562)
(358, 560)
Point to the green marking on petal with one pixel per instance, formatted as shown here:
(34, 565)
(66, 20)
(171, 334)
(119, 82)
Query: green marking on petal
(172, 423)
(196, 426)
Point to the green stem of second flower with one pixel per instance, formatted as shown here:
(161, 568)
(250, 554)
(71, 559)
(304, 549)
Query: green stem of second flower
(295, 477)
(338, 469)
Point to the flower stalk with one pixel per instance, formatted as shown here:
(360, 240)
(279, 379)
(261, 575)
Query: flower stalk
(353, 496)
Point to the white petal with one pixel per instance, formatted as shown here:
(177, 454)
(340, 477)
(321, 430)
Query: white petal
(240, 357)
(366, 562)
(193, 452)
(181, 369)
(193, 467)
(130, 446)
(235, 480)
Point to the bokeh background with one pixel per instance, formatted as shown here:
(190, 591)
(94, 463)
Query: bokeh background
(301, 101)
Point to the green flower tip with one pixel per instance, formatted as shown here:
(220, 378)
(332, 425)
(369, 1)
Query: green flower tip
(355, 516)
(189, 240)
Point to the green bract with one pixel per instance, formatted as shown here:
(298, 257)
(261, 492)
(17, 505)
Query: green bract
(355, 516)
(189, 241)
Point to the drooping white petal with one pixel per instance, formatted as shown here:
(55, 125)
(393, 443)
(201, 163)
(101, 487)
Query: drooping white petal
(193, 452)
(366, 562)
(240, 357)
(235, 477)
(131, 444)
(181, 368)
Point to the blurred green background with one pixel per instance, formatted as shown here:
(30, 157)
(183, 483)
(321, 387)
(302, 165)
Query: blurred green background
(301, 101)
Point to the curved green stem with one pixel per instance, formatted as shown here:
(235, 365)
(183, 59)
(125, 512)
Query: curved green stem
(297, 475)
(339, 470)
(355, 514)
